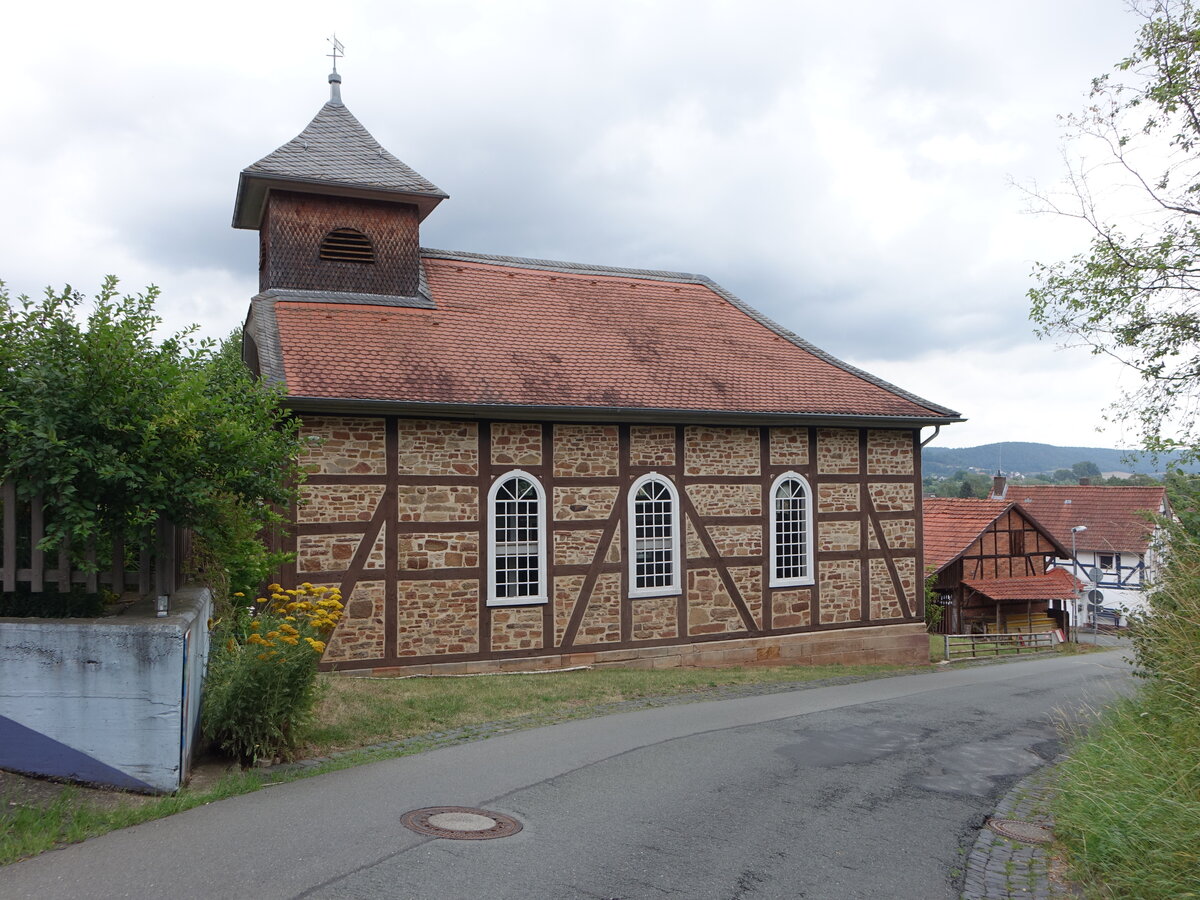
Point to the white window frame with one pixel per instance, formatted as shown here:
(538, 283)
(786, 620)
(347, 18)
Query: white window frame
(663, 590)
(807, 549)
(543, 593)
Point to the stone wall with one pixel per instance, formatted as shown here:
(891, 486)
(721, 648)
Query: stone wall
(720, 451)
(419, 594)
(585, 450)
(343, 445)
(433, 447)
(435, 618)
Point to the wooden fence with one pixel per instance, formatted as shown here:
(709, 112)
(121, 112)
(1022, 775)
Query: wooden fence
(157, 571)
(980, 646)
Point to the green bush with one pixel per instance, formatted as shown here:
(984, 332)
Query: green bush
(262, 672)
(117, 428)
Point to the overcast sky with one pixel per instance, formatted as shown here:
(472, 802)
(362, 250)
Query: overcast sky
(845, 168)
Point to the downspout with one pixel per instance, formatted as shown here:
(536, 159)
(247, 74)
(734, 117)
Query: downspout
(937, 429)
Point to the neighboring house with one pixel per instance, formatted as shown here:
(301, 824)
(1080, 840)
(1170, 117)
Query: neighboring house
(518, 463)
(988, 559)
(1120, 540)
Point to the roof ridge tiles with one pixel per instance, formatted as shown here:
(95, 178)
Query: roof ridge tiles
(568, 268)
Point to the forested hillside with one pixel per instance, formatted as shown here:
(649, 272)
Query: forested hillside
(1030, 459)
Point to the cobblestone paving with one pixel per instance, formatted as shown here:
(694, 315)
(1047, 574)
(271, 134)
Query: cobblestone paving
(999, 868)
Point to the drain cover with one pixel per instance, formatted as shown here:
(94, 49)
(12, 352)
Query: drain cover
(1026, 832)
(459, 823)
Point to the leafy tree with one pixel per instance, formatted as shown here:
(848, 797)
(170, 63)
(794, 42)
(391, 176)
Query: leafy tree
(1063, 476)
(1135, 293)
(1086, 470)
(115, 428)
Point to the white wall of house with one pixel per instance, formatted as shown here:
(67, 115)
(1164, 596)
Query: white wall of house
(1124, 578)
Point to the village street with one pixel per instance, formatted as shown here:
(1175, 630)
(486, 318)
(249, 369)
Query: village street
(874, 789)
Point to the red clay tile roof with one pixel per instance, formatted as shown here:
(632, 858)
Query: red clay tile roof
(527, 333)
(952, 524)
(1114, 516)
(1057, 584)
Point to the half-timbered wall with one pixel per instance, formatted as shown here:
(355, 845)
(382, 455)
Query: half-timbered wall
(1012, 547)
(395, 513)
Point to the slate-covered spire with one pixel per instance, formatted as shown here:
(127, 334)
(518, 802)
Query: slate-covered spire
(336, 156)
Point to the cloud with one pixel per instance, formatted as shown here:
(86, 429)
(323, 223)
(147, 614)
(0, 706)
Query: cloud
(844, 170)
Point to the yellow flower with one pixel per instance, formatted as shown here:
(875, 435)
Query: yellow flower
(274, 587)
(238, 594)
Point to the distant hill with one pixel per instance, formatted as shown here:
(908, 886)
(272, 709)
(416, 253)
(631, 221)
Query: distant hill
(1031, 459)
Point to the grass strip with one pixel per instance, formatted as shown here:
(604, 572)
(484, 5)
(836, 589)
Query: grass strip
(358, 712)
(1128, 807)
(29, 830)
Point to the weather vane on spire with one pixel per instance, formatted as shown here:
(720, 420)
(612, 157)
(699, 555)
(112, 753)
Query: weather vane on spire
(338, 50)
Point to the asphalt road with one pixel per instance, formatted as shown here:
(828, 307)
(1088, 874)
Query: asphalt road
(869, 790)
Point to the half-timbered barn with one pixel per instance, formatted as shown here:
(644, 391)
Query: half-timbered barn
(518, 463)
(990, 563)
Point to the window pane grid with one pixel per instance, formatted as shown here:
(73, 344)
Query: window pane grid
(515, 515)
(654, 536)
(791, 531)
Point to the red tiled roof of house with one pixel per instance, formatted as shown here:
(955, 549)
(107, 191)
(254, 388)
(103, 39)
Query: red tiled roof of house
(523, 333)
(1115, 516)
(951, 525)
(1057, 584)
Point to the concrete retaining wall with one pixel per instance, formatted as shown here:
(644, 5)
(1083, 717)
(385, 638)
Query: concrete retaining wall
(108, 701)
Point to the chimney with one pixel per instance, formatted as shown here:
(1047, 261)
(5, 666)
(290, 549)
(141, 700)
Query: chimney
(999, 486)
(1084, 482)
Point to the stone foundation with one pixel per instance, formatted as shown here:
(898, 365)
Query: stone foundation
(901, 645)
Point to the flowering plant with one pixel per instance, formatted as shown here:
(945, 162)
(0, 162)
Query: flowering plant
(262, 671)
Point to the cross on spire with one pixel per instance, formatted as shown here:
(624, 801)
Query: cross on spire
(338, 50)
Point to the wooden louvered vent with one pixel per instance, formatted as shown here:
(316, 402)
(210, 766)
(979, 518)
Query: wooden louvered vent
(347, 245)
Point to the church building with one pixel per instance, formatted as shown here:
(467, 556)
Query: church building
(522, 464)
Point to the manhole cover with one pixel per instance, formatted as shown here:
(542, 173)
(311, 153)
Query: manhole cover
(1026, 832)
(458, 823)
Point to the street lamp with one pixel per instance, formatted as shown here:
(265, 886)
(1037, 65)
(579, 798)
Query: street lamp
(1075, 574)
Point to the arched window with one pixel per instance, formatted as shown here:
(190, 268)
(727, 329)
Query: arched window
(791, 531)
(347, 245)
(653, 537)
(516, 541)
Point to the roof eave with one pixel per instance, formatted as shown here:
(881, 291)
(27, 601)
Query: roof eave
(253, 188)
(606, 413)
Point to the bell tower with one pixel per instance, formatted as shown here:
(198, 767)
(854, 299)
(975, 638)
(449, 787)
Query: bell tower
(336, 212)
